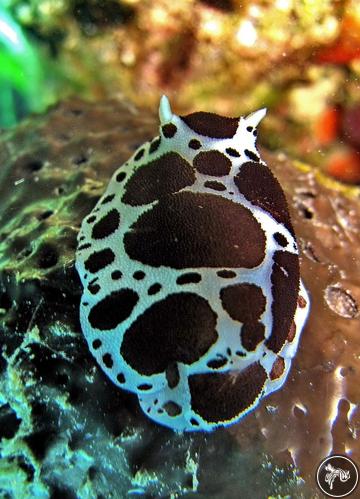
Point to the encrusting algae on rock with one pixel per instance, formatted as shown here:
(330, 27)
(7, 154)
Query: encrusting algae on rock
(55, 168)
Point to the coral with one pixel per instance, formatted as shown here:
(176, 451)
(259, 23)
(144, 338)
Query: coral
(68, 430)
(297, 58)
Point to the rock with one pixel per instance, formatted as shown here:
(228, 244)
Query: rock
(65, 428)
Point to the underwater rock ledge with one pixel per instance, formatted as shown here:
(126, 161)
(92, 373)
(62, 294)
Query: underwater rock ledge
(65, 429)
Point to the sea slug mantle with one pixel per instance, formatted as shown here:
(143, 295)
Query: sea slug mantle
(192, 296)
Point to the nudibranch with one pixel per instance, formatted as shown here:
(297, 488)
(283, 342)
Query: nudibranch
(192, 296)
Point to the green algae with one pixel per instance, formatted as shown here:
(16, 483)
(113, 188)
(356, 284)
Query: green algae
(22, 80)
(16, 457)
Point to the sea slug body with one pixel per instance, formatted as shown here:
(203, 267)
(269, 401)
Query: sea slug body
(192, 296)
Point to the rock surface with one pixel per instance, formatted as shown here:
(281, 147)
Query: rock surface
(65, 430)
